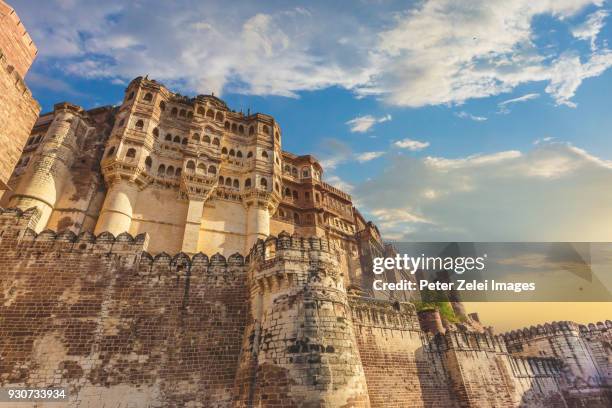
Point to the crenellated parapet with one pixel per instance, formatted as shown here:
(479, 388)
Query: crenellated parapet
(383, 314)
(561, 328)
(468, 341)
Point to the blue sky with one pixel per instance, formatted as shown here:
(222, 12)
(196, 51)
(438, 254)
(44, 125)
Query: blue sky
(479, 120)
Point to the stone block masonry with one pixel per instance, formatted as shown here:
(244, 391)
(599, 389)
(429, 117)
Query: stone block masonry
(18, 109)
(119, 327)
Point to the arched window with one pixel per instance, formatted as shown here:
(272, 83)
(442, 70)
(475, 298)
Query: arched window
(295, 195)
(176, 139)
(161, 170)
(196, 137)
(219, 117)
(139, 124)
(190, 165)
(264, 154)
(305, 172)
(210, 114)
(177, 172)
(227, 125)
(201, 168)
(130, 96)
(228, 182)
(212, 169)
(266, 130)
(287, 168)
(200, 110)
(251, 130)
(184, 141)
(148, 162)
(170, 171)
(249, 155)
(247, 183)
(162, 105)
(296, 218)
(221, 180)
(182, 113)
(189, 114)
(239, 154)
(232, 152)
(156, 132)
(173, 112)
(131, 153)
(110, 151)
(241, 129)
(234, 128)
(216, 142)
(168, 137)
(294, 172)
(263, 182)
(287, 192)
(236, 184)
(224, 150)
(148, 97)
(206, 139)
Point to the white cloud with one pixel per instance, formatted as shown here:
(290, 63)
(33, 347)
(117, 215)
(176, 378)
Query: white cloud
(465, 115)
(503, 106)
(589, 30)
(368, 156)
(569, 71)
(362, 124)
(413, 145)
(554, 192)
(434, 52)
(339, 183)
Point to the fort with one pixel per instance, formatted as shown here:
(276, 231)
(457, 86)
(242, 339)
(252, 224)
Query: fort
(168, 253)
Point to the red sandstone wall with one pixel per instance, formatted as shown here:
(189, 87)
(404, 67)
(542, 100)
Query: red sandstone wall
(18, 109)
(401, 369)
(115, 326)
(15, 42)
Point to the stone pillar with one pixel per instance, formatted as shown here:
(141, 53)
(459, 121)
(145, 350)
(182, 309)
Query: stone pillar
(116, 214)
(258, 223)
(44, 181)
(299, 348)
(192, 226)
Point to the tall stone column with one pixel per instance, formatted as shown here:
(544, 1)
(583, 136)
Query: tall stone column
(258, 223)
(44, 180)
(193, 222)
(117, 211)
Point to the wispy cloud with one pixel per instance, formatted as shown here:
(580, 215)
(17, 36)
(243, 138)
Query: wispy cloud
(368, 156)
(410, 144)
(503, 106)
(471, 49)
(589, 30)
(362, 124)
(552, 192)
(466, 115)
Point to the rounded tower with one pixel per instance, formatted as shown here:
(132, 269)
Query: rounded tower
(44, 181)
(299, 348)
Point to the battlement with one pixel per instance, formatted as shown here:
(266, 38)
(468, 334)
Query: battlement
(266, 250)
(595, 328)
(468, 341)
(383, 314)
(543, 330)
(535, 367)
